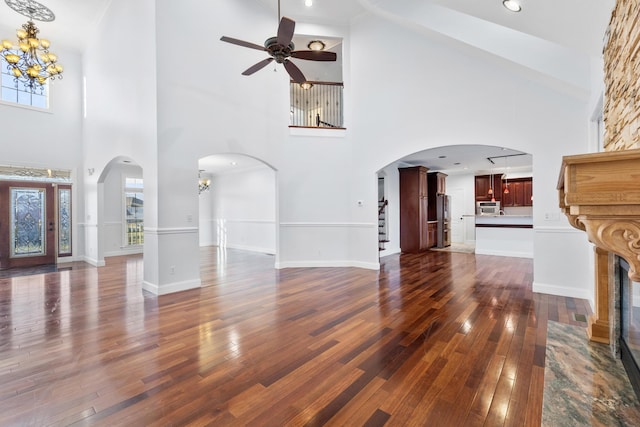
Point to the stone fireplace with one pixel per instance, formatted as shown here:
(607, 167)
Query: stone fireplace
(600, 194)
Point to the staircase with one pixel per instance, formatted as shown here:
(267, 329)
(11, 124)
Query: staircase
(382, 224)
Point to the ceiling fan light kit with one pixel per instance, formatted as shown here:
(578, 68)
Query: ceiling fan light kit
(281, 49)
(316, 45)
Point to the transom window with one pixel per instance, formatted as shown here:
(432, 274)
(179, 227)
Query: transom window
(15, 91)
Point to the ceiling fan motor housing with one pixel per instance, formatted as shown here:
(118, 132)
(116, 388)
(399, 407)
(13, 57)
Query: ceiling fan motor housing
(278, 51)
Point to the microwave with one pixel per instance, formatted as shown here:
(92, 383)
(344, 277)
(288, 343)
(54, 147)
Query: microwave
(488, 208)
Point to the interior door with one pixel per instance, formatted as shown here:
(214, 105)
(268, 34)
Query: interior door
(456, 209)
(27, 224)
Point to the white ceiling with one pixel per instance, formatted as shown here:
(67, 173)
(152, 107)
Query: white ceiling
(549, 37)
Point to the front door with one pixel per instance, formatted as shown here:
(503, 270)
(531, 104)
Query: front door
(27, 224)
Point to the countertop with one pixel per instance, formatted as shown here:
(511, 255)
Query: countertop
(516, 221)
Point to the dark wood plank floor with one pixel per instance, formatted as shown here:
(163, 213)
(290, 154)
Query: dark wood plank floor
(431, 339)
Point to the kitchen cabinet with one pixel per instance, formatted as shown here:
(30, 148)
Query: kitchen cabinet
(520, 192)
(482, 185)
(437, 183)
(414, 231)
(432, 228)
(528, 192)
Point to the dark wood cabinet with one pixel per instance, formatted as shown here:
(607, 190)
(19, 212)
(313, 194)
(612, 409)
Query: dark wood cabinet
(414, 232)
(437, 183)
(432, 228)
(528, 192)
(482, 185)
(520, 192)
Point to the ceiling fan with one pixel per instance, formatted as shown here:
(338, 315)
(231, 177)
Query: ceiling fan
(281, 49)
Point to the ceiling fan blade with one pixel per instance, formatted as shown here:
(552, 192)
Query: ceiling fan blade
(260, 65)
(294, 72)
(314, 55)
(285, 31)
(242, 43)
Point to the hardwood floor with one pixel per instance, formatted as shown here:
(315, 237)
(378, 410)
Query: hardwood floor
(431, 339)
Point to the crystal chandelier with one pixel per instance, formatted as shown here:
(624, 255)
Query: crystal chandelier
(203, 183)
(29, 61)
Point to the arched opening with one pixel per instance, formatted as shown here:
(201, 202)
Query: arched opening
(238, 210)
(120, 209)
(461, 166)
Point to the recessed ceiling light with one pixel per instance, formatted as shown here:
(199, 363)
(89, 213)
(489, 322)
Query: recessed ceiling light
(457, 164)
(233, 163)
(308, 3)
(442, 157)
(512, 5)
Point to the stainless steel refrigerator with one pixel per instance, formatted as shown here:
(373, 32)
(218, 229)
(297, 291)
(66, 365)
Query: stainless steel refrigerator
(443, 216)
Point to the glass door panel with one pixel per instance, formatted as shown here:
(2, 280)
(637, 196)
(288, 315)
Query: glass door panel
(27, 217)
(64, 220)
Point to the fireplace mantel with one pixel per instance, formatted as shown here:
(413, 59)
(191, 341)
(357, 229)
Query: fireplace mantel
(600, 194)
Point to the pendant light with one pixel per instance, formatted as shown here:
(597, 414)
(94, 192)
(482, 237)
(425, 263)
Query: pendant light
(506, 179)
(490, 192)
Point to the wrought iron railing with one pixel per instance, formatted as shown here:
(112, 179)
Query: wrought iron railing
(317, 106)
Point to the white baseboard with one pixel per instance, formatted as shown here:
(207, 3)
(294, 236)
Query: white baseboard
(171, 287)
(505, 253)
(563, 291)
(68, 259)
(94, 262)
(388, 252)
(313, 264)
(123, 252)
(269, 251)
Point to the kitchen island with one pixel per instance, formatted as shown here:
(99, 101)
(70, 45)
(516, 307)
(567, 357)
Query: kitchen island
(504, 235)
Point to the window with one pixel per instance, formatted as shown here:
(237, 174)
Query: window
(134, 211)
(15, 91)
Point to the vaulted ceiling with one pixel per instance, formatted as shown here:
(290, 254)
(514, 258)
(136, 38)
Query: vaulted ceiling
(553, 42)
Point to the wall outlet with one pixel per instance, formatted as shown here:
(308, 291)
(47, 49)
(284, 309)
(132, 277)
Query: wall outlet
(172, 269)
(551, 216)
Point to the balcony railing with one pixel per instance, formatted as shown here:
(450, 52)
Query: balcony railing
(318, 106)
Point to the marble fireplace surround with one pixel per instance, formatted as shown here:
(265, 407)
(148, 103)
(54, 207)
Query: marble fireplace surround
(600, 194)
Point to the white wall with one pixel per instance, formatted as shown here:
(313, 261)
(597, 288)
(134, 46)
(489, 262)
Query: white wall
(243, 206)
(442, 97)
(53, 138)
(436, 96)
(121, 122)
(205, 216)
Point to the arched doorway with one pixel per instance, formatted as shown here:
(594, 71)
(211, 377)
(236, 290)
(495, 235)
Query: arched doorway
(120, 209)
(461, 164)
(239, 209)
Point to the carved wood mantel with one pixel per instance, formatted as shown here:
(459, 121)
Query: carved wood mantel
(600, 194)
